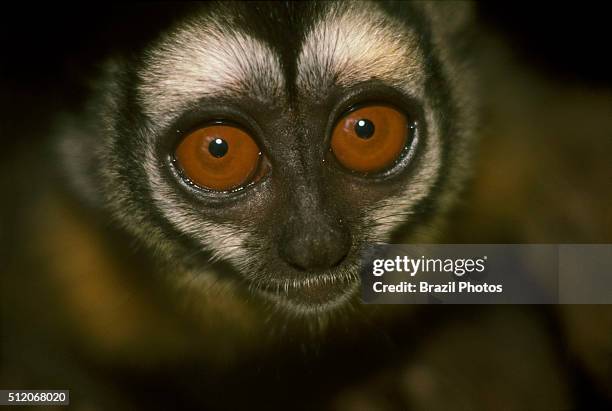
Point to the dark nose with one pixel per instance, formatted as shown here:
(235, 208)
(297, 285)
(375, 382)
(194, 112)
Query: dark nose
(313, 246)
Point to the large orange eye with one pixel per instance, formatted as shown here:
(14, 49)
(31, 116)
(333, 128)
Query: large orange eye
(219, 157)
(370, 139)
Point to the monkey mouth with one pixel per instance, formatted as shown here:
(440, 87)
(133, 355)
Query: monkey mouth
(310, 295)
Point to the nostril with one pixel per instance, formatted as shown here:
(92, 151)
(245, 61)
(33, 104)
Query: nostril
(298, 265)
(307, 253)
(339, 257)
(339, 260)
(303, 263)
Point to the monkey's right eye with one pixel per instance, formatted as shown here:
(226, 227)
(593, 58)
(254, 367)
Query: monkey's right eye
(220, 158)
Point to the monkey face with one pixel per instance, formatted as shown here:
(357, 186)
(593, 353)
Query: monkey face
(291, 193)
(282, 140)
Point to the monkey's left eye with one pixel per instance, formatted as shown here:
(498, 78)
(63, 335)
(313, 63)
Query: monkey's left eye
(370, 139)
(220, 158)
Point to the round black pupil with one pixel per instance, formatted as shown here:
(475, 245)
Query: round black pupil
(218, 147)
(364, 128)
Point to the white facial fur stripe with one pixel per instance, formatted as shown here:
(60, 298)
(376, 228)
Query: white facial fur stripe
(353, 43)
(204, 58)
